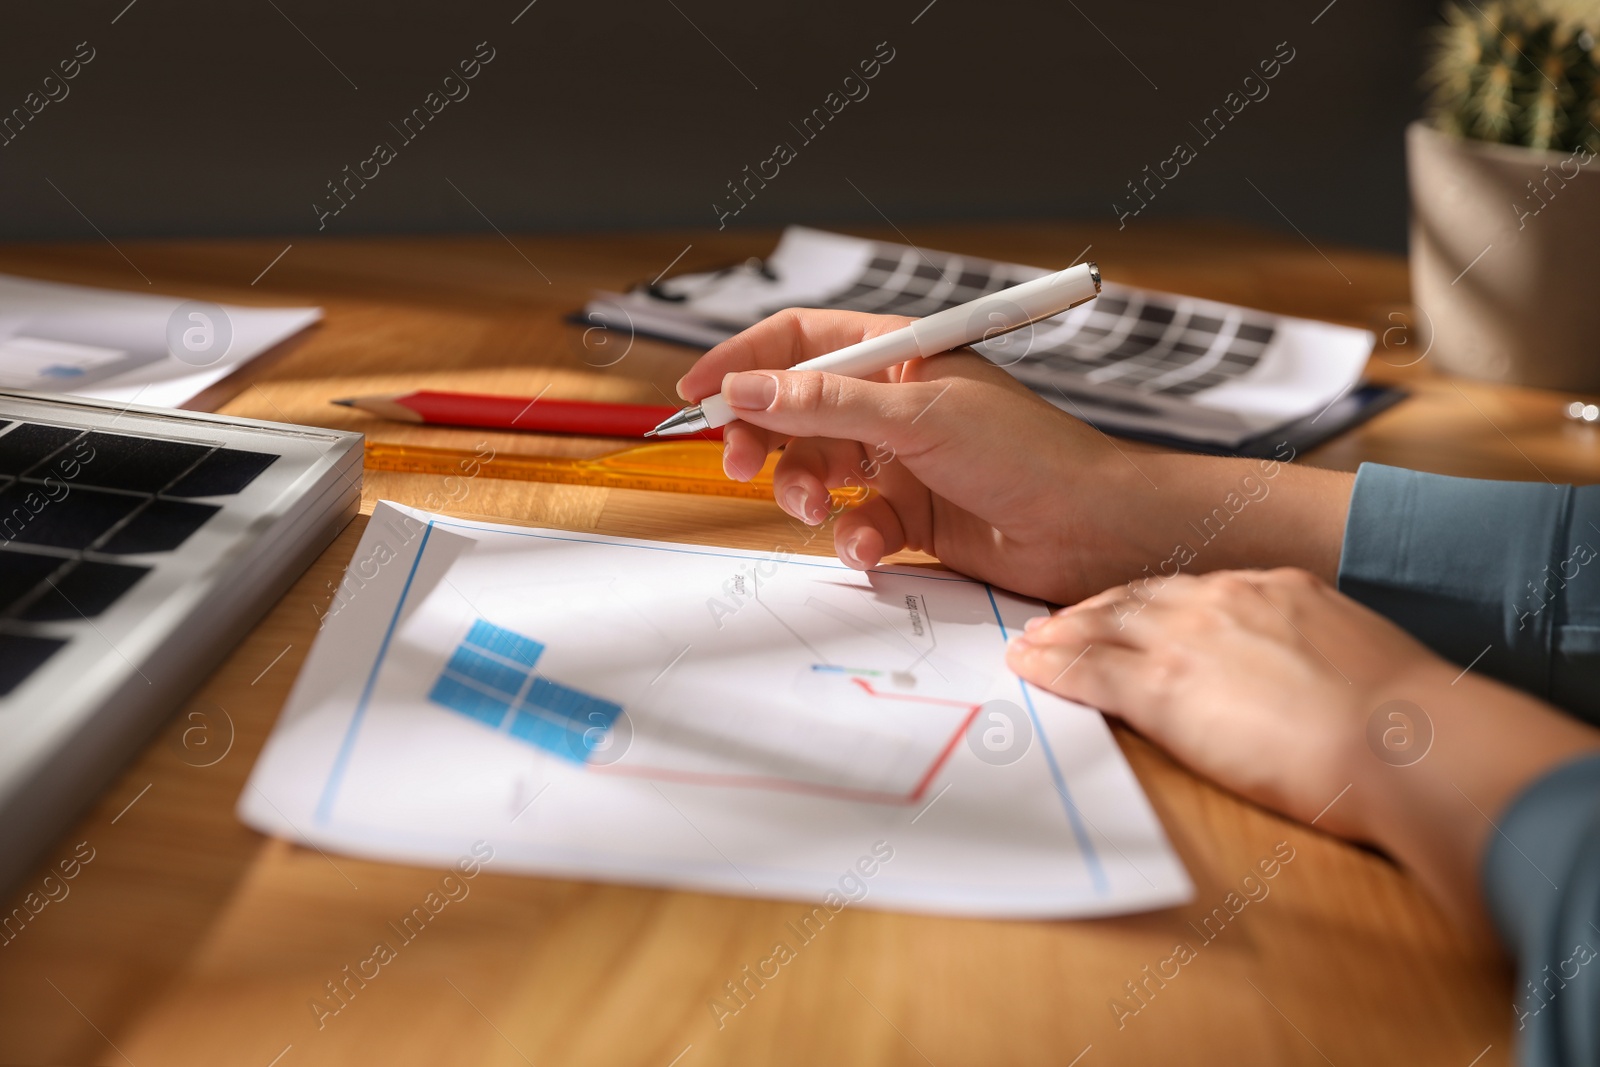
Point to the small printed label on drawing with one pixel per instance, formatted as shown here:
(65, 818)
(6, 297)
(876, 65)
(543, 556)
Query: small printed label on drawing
(914, 610)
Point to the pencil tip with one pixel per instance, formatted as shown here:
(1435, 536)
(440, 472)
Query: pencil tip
(649, 433)
(344, 403)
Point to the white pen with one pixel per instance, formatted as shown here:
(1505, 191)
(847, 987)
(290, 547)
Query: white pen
(978, 320)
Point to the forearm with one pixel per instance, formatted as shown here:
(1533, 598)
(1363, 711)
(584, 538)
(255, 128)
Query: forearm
(1207, 513)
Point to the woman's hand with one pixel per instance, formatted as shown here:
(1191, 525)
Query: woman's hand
(1280, 688)
(973, 468)
(1260, 680)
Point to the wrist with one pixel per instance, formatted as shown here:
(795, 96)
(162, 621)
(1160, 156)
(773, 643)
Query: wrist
(1212, 513)
(1393, 734)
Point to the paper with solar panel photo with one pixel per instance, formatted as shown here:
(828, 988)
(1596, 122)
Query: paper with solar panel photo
(1133, 359)
(129, 347)
(695, 717)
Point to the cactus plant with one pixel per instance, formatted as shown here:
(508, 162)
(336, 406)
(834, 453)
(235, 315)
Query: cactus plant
(1524, 72)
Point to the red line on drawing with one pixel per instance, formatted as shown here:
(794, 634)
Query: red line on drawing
(753, 781)
(949, 747)
(793, 785)
(863, 683)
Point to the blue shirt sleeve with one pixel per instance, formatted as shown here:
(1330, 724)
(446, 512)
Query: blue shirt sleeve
(1541, 880)
(1504, 576)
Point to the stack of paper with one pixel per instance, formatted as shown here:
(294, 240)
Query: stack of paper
(1134, 360)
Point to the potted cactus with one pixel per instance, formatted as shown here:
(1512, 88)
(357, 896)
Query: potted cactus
(1505, 194)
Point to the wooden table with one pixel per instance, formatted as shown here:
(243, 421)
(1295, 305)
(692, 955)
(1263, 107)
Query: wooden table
(191, 939)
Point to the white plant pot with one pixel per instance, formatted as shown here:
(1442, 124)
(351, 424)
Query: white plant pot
(1505, 275)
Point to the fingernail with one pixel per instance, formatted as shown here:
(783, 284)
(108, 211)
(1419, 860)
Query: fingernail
(1034, 623)
(752, 391)
(1019, 643)
(848, 549)
(794, 501)
(679, 387)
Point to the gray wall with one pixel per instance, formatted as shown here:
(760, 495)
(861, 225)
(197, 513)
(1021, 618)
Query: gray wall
(209, 118)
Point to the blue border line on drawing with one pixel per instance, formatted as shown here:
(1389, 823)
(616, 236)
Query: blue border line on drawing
(336, 773)
(1096, 871)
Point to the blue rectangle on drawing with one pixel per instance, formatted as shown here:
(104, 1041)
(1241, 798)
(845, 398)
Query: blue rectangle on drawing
(505, 643)
(589, 712)
(473, 703)
(490, 678)
(486, 671)
(555, 736)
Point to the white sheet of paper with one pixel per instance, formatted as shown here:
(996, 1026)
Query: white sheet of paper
(119, 346)
(699, 717)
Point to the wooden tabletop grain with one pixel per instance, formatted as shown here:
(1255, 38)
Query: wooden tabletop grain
(190, 939)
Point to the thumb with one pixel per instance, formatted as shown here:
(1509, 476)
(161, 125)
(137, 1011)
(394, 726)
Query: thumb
(818, 404)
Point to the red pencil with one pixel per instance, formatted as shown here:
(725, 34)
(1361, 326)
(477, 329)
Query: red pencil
(519, 413)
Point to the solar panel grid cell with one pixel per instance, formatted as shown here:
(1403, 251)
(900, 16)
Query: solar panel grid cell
(70, 495)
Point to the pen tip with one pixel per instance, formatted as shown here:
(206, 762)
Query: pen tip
(344, 403)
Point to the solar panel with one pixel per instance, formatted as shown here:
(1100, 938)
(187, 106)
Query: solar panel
(137, 545)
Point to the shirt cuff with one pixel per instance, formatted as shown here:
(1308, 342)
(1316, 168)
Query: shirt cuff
(1541, 882)
(1471, 568)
